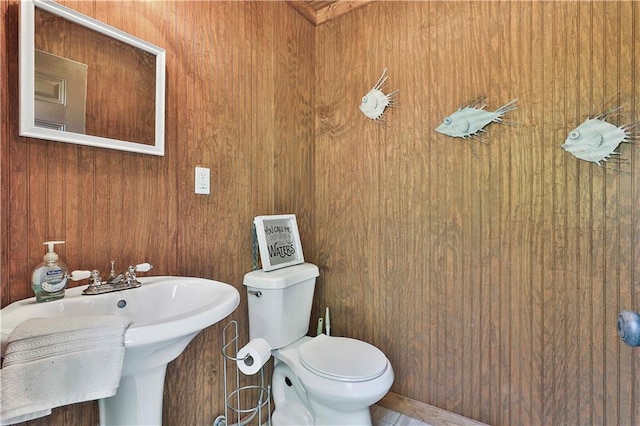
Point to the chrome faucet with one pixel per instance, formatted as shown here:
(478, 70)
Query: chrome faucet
(113, 278)
(124, 281)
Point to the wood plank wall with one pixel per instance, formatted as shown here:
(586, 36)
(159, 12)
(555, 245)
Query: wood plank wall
(239, 101)
(493, 283)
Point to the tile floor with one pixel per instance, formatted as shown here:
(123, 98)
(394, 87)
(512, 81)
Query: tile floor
(381, 416)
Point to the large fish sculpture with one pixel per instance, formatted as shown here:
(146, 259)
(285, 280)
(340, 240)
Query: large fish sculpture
(375, 102)
(470, 120)
(595, 140)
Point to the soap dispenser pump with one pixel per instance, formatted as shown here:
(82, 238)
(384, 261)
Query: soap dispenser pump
(49, 279)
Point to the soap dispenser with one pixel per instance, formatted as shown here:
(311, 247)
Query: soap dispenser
(49, 279)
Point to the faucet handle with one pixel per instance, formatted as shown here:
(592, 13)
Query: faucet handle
(143, 267)
(94, 275)
(80, 275)
(130, 276)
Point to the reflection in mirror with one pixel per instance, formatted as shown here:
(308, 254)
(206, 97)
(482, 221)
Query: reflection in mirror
(84, 82)
(120, 79)
(60, 93)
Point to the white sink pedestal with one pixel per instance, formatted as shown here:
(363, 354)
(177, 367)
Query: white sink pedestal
(137, 402)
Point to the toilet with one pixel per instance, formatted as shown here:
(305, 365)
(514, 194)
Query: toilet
(322, 380)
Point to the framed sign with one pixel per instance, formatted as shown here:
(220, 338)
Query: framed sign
(278, 241)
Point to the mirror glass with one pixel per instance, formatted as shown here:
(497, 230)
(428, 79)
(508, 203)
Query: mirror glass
(85, 82)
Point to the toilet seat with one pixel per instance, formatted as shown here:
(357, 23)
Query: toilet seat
(342, 358)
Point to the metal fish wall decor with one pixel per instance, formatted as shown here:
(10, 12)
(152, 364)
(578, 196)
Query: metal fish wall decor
(468, 121)
(375, 102)
(596, 140)
(471, 119)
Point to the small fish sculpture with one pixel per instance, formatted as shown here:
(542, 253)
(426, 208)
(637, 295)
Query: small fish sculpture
(375, 102)
(596, 139)
(470, 120)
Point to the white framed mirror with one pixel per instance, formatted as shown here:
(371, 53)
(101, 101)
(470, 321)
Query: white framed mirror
(85, 82)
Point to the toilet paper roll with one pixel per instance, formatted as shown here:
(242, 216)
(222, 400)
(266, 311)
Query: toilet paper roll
(253, 356)
(629, 327)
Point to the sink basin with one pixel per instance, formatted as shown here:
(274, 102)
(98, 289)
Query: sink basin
(166, 313)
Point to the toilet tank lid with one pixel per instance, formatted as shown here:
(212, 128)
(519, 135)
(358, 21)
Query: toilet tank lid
(281, 278)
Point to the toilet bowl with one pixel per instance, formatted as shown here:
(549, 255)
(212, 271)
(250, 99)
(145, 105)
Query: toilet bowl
(330, 380)
(322, 380)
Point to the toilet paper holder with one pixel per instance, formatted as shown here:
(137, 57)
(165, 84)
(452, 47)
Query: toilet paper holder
(234, 414)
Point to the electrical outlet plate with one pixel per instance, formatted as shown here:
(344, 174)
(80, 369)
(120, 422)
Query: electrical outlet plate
(202, 180)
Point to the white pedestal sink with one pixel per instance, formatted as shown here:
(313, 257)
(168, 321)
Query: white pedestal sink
(166, 313)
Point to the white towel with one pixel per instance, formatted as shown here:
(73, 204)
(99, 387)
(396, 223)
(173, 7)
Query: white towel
(50, 362)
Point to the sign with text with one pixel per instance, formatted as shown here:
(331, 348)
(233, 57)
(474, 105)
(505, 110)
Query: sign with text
(278, 241)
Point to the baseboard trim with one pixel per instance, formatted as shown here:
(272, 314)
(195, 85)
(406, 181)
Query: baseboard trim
(427, 413)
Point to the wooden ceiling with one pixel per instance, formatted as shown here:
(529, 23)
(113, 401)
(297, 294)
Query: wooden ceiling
(319, 12)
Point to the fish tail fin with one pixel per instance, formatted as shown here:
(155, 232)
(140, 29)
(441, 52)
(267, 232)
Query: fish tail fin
(507, 107)
(632, 131)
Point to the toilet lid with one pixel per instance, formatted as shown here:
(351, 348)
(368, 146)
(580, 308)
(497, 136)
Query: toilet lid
(341, 358)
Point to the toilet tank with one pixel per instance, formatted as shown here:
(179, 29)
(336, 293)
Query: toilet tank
(280, 303)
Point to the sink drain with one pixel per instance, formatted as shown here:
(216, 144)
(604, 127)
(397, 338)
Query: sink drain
(122, 303)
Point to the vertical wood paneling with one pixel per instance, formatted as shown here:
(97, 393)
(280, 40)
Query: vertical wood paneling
(505, 272)
(625, 358)
(492, 283)
(634, 100)
(239, 100)
(542, 239)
